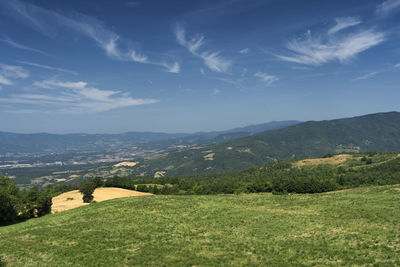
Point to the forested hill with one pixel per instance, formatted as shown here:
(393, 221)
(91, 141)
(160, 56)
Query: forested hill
(374, 132)
(62, 143)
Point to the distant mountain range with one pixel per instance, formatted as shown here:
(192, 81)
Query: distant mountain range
(66, 143)
(375, 132)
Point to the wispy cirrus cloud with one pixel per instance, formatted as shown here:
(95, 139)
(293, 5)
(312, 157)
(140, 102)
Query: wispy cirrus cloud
(74, 97)
(343, 23)
(173, 68)
(244, 51)
(212, 59)
(397, 65)
(387, 7)
(318, 50)
(47, 22)
(5, 81)
(366, 76)
(10, 72)
(266, 78)
(20, 46)
(47, 67)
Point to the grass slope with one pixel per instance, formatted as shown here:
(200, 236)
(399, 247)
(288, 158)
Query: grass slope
(375, 132)
(356, 227)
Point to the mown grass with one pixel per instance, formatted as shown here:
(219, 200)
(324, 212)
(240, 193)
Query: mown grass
(355, 227)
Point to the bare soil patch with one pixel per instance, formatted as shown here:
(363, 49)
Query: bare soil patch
(73, 199)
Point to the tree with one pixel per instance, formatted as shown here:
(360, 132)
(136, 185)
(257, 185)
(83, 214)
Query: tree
(44, 203)
(98, 182)
(8, 214)
(87, 189)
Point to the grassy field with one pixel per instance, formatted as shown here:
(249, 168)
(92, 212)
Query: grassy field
(354, 227)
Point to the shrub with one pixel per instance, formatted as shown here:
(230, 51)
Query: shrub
(2, 262)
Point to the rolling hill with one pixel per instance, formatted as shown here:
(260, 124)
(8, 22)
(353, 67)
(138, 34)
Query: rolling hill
(374, 132)
(352, 228)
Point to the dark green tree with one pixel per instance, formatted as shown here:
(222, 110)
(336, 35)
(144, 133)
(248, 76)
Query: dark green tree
(87, 188)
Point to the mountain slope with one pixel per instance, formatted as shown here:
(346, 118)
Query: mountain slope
(62, 143)
(374, 132)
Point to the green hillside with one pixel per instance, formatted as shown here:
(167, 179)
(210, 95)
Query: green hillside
(317, 175)
(356, 227)
(376, 132)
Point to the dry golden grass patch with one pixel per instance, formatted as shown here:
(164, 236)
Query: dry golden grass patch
(159, 174)
(73, 199)
(209, 156)
(126, 164)
(337, 159)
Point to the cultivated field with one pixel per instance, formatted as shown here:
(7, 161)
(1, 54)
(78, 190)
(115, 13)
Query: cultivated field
(355, 227)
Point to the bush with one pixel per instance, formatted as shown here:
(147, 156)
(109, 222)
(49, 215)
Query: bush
(2, 262)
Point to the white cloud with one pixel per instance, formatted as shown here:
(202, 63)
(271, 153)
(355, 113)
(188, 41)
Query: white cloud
(15, 72)
(397, 65)
(75, 97)
(46, 21)
(211, 59)
(51, 84)
(173, 68)
(244, 51)
(9, 72)
(315, 51)
(5, 81)
(387, 7)
(47, 67)
(266, 78)
(139, 57)
(343, 23)
(366, 76)
(20, 46)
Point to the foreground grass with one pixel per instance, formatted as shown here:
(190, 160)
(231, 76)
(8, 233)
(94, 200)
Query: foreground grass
(356, 227)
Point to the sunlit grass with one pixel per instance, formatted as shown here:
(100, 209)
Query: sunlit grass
(355, 227)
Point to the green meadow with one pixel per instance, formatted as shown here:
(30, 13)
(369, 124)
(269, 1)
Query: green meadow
(353, 227)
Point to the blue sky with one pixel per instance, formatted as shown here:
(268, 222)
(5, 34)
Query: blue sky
(185, 66)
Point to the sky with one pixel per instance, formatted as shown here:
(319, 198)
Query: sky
(102, 66)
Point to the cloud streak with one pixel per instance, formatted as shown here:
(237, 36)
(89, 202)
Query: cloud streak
(343, 23)
(366, 76)
(47, 67)
(311, 50)
(387, 7)
(211, 59)
(47, 21)
(244, 51)
(266, 78)
(10, 72)
(20, 46)
(74, 97)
